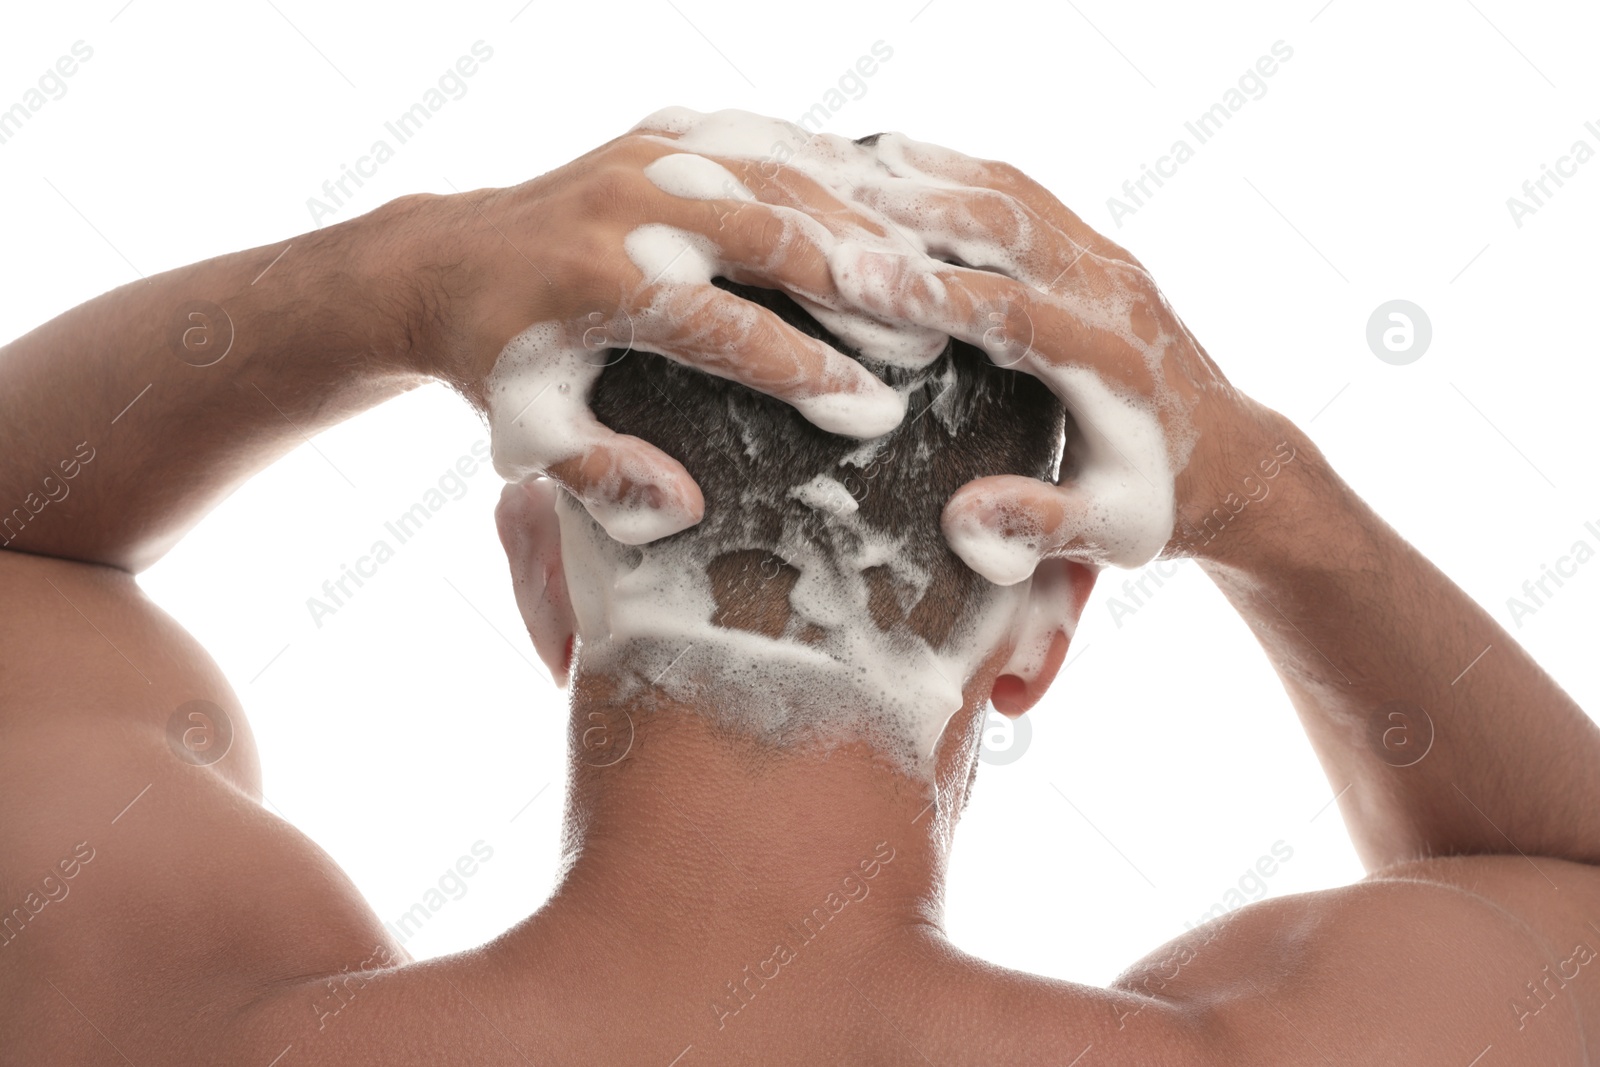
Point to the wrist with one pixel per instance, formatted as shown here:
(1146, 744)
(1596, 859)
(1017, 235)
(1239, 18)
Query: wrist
(407, 256)
(1273, 502)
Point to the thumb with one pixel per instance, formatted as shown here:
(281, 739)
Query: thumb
(1002, 526)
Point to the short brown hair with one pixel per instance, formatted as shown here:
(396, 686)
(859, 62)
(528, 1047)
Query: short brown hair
(966, 418)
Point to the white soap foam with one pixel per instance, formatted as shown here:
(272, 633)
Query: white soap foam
(539, 417)
(1048, 612)
(897, 346)
(865, 454)
(825, 494)
(695, 178)
(671, 255)
(644, 619)
(1004, 556)
(687, 262)
(644, 614)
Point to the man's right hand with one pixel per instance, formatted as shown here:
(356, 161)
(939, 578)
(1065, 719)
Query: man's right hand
(1440, 734)
(1161, 437)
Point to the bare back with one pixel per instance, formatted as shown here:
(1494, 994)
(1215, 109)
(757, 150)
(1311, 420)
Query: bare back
(156, 913)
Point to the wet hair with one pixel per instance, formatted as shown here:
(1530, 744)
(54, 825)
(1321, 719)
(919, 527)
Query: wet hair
(966, 418)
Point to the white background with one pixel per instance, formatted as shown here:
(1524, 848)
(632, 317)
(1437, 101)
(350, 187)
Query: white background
(1377, 166)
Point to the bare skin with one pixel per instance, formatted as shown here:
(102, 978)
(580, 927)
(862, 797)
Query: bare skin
(199, 928)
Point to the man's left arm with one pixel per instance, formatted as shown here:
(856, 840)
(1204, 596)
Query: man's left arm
(124, 420)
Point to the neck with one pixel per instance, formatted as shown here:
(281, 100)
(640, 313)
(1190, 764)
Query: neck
(687, 834)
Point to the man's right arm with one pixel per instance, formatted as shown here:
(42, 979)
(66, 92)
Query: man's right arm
(1442, 733)
(1385, 659)
(1372, 642)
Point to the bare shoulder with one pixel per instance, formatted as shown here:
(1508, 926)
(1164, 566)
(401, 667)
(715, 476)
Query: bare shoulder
(1487, 960)
(134, 852)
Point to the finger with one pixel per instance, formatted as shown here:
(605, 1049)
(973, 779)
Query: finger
(670, 122)
(719, 333)
(780, 237)
(998, 314)
(1003, 526)
(636, 492)
(782, 245)
(540, 423)
(792, 187)
(777, 247)
(907, 156)
(684, 168)
(1100, 323)
(784, 248)
(980, 228)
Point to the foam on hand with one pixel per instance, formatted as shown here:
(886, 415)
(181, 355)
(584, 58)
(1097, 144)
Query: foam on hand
(644, 613)
(538, 399)
(1003, 548)
(1117, 508)
(1122, 504)
(695, 178)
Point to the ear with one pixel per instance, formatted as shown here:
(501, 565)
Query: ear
(531, 535)
(1056, 595)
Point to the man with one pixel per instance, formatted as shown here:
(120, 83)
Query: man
(754, 864)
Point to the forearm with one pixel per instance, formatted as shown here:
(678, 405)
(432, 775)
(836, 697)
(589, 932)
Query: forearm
(1363, 629)
(315, 339)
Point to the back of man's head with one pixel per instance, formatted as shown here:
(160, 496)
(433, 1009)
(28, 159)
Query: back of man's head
(818, 588)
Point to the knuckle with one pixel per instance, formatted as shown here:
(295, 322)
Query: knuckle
(805, 266)
(1141, 284)
(999, 214)
(713, 329)
(1005, 175)
(590, 262)
(767, 229)
(609, 191)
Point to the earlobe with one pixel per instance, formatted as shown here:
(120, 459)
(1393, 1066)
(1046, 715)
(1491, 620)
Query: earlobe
(530, 532)
(1056, 595)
